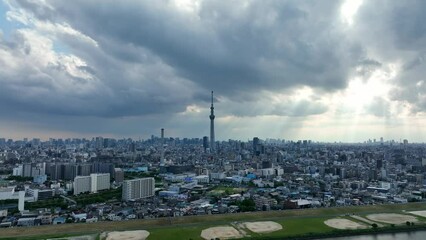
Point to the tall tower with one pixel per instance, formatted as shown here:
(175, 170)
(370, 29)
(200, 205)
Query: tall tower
(212, 141)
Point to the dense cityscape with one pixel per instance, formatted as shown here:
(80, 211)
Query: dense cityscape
(102, 179)
(82, 181)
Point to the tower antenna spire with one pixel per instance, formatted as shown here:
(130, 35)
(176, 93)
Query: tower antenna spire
(212, 140)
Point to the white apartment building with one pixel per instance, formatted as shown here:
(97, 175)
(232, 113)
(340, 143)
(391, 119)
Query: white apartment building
(138, 188)
(99, 181)
(82, 184)
(93, 183)
(202, 179)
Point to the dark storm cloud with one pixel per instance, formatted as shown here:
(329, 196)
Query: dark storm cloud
(36, 79)
(226, 46)
(149, 57)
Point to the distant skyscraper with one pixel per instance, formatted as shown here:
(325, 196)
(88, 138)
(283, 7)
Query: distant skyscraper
(99, 142)
(118, 175)
(162, 160)
(212, 141)
(205, 143)
(256, 142)
(379, 163)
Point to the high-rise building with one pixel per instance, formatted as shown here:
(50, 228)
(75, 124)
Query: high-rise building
(54, 171)
(118, 175)
(27, 169)
(93, 183)
(101, 167)
(138, 188)
(379, 163)
(99, 144)
(162, 160)
(205, 143)
(84, 169)
(255, 143)
(132, 147)
(256, 146)
(18, 171)
(69, 171)
(99, 181)
(82, 184)
(212, 140)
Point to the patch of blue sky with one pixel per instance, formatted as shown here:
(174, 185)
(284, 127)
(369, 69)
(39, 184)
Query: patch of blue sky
(7, 27)
(60, 47)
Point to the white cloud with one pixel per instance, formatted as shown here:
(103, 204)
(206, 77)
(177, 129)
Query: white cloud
(349, 9)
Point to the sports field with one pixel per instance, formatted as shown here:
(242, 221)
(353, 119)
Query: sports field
(294, 223)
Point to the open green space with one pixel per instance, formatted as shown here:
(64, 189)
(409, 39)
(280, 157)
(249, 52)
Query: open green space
(188, 232)
(100, 197)
(296, 223)
(292, 227)
(19, 179)
(49, 203)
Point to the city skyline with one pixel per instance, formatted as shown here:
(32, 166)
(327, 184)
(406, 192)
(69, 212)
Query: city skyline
(64, 140)
(323, 70)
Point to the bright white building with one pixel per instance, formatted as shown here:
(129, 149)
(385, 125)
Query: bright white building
(203, 178)
(21, 201)
(217, 175)
(17, 171)
(93, 183)
(267, 172)
(100, 181)
(138, 188)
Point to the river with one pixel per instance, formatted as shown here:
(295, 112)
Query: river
(417, 235)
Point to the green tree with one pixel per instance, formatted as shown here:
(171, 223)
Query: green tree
(247, 205)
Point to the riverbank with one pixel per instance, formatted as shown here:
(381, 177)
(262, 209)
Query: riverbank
(348, 233)
(299, 224)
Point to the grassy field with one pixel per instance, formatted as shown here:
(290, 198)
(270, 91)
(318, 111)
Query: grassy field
(295, 223)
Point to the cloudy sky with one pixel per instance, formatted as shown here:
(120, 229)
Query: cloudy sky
(322, 70)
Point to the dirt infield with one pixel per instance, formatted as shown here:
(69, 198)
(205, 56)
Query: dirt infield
(263, 227)
(419, 213)
(222, 232)
(392, 218)
(366, 220)
(341, 223)
(85, 237)
(125, 235)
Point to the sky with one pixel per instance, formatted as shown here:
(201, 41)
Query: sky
(347, 71)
